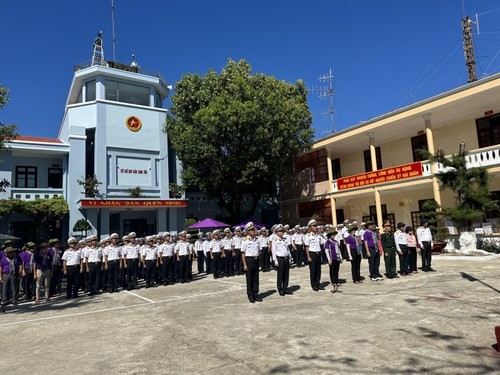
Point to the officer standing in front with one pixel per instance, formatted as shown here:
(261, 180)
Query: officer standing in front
(72, 268)
(424, 238)
(313, 242)
(282, 259)
(250, 250)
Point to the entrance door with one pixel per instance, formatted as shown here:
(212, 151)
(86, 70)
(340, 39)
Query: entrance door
(139, 226)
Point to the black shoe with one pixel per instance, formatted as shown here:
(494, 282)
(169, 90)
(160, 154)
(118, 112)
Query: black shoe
(14, 303)
(321, 288)
(251, 299)
(289, 293)
(258, 299)
(432, 270)
(316, 289)
(282, 294)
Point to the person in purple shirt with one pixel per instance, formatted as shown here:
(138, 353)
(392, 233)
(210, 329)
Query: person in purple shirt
(372, 251)
(354, 246)
(11, 269)
(56, 251)
(28, 281)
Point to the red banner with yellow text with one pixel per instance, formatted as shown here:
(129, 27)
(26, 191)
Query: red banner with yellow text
(133, 203)
(400, 172)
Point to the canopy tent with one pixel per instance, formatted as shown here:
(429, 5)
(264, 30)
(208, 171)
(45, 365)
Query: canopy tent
(4, 237)
(256, 224)
(208, 223)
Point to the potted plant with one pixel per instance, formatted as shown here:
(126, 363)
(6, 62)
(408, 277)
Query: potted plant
(135, 192)
(175, 190)
(433, 212)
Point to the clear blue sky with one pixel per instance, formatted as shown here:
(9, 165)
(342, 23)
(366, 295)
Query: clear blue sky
(385, 54)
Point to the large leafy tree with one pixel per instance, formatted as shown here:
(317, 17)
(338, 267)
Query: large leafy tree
(7, 132)
(237, 132)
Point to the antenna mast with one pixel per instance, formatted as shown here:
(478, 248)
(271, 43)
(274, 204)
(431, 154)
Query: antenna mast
(470, 58)
(113, 27)
(98, 54)
(327, 92)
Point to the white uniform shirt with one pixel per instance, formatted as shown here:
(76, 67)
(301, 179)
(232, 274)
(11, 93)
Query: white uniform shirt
(198, 245)
(215, 246)
(206, 247)
(263, 241)
(227, 243)
(280, 249)
(400, 239)
(182, 248)
(250, 247)
(298, 238)
(131, 251)
(237, 241)
(168, 249)
(424, 235)
(72, 257)
(113, 252)
(149, 252)
(313, 241)
(93, 254)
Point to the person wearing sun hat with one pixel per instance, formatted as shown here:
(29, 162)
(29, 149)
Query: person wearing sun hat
(56, 251)
(11, 271)
(250, 251)
(389, 247)
(28, 281)
(371, 243)
(355, 248)
(42, 271)
(334, 256)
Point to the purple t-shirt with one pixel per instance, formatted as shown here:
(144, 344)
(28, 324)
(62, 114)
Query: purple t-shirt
(368, 237)
(43, 262)
(6, 262)
(351, 241)
(26, 258)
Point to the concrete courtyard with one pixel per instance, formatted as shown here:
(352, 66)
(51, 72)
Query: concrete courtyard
(430, 323)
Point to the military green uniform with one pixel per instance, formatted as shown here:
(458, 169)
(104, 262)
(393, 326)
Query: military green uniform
(389, 246)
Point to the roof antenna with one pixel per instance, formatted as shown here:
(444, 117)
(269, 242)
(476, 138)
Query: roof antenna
(98, 55)
(113, 28)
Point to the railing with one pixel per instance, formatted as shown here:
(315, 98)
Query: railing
(30, 194)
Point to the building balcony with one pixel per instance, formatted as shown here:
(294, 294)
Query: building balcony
(484, 157)
(30, 194)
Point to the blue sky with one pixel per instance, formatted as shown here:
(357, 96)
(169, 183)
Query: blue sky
(385, 54)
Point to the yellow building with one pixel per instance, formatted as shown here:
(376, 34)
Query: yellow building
(373, 171)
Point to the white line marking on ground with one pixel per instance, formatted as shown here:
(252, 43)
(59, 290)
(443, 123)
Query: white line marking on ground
(141, 297)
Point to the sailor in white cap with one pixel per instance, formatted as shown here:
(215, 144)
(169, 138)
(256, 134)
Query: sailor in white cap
(312, 243)
(198, 248)
(215, 254)
(282, 260)
(93, 258)
(250, 249)
(298, 246)
(149, 259)
(237, 240)
(131, 257)
(264, 250)
(113, 262)
(228, 247)
(72, 267)
(182, 254)
(167, 259)
(206, 253)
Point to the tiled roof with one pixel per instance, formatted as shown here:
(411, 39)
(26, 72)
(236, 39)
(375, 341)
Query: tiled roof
(27, 138)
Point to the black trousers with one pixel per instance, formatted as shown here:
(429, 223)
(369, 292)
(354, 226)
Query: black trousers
(334, 271)
(315, 269)
(238, 263)
(94, 276)
(201, 261)
(355, 265)
(56, 280)
(283, 274)
(301, 255)
(73, 280)
(252, 276)
(132, 266)
(264, 259)
(374, 262)
(150, 272)
(113, 273)
(227, 262)
(404, 260)
(183, 267)
(29, 285)
(216, 265)
(412, 259)
(167, 269)
(426, 255)
(10, 287)
(208, 264)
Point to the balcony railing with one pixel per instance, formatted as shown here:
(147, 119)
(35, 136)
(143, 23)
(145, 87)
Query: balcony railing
(30, 194)
(485, 157)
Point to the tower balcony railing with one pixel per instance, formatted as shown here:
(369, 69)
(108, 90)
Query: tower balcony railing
(30, 194)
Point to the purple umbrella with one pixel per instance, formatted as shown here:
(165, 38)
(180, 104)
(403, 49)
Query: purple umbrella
(208, 223)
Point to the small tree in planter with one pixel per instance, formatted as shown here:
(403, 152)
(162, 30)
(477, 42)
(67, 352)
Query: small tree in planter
(81, 226)
(433, 212)
(175, 190)
(135, 192)
(90, 187)
(471, 186)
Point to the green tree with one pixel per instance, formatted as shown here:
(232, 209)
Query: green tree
(237, 132)
(471, 186)
(7, 132)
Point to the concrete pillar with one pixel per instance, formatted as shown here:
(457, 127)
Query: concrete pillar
(378, 207)
(161, 219)
(172, 219)
(330, 179)
(373, 154)
(430, 146)
(104, 229)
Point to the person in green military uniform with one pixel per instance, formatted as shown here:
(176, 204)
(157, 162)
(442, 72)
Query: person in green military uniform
(389, 246)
